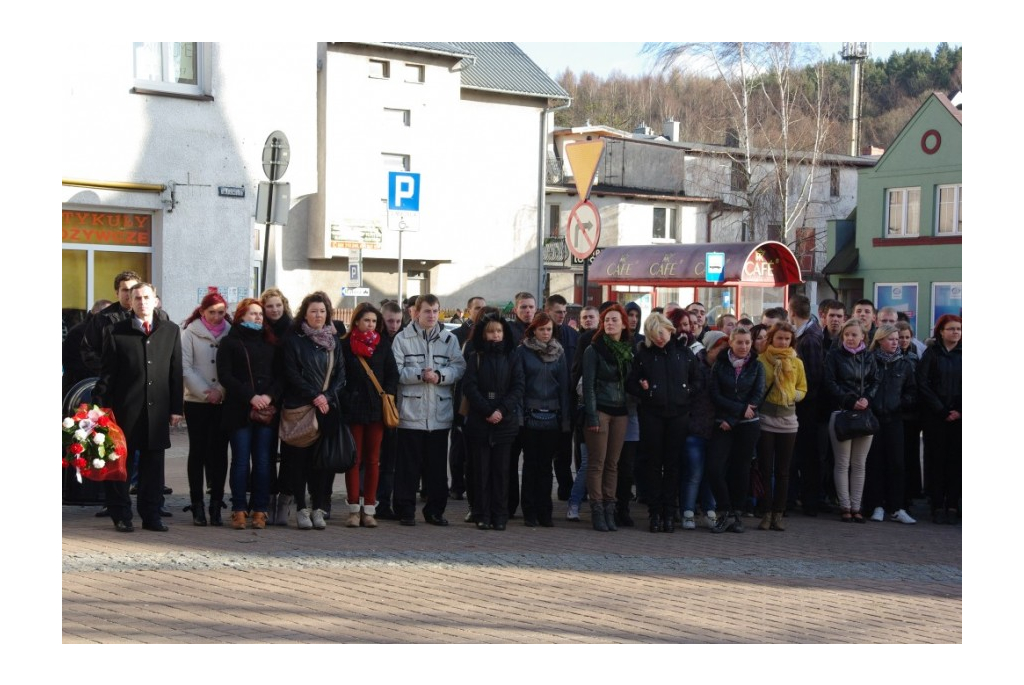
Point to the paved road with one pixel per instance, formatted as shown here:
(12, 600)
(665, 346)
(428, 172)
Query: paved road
(819, 582)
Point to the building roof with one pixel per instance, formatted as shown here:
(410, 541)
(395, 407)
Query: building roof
(496, 68)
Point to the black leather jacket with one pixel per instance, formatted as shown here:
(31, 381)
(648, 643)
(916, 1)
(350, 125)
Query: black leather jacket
(939, 380)
(849, 376)
(305, 366)
(731, 394)
(672, 376)
(897, 389)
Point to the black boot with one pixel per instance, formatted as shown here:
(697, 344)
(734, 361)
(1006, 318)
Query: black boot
(198, 512)
(609, 516)
(215, 507)
(655, 523)
(622, 516)
(668, 524)
(597, 516)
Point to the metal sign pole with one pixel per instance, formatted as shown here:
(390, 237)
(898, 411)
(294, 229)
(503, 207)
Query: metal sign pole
(401, 302)
(586, 275)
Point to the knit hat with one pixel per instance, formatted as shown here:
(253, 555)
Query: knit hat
(711, 337)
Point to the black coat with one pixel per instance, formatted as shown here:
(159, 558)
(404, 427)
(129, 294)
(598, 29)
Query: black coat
(233, 371)
(731, 394)
(360, 401)
(547, 384)
(493, 381)
(141, 381)
(305, 366)
(848, 376)
(672, 374)
(939, 380)
(897, 389)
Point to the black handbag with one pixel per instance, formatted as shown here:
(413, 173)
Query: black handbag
(336, 449)
(855, 423)
(541, 419)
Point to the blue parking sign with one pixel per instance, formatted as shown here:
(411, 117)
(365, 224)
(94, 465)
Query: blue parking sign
(403, 191)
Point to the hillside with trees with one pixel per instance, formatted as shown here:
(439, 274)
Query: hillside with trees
(759, 93)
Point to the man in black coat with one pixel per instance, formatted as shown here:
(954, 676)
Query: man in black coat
(141, 381)
(92, 339)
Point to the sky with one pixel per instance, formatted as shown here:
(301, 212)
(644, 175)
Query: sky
(603, 58)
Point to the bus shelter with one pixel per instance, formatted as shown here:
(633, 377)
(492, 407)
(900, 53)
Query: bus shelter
(746, 278)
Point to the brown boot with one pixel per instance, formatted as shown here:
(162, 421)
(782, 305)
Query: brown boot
(353, 519)
(766, 522)
(778, 523)
(238, 520)
(259, 520)
(367, 520)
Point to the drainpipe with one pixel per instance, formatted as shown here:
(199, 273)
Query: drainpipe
(541, 186)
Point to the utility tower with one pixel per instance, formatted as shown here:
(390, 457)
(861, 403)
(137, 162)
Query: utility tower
(855, 54)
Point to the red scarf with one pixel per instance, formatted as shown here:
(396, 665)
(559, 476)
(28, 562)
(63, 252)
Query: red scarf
(363, 344)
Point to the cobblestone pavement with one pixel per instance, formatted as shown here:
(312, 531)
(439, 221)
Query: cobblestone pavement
(818, 582)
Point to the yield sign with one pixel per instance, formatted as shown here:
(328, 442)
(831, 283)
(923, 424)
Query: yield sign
(583, 230)
(583, 159)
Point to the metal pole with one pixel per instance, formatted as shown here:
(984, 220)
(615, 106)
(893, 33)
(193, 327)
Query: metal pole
(401, 302)
(586, 276)
(270, 215)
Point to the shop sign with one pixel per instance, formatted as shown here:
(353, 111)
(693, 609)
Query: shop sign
(106, 228)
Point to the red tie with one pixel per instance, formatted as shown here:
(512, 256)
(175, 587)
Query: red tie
(145, 327)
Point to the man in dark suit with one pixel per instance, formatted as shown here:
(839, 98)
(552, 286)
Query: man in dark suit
(141, 381)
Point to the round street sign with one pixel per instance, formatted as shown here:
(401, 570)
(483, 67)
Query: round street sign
(276, 154)
(583, 231)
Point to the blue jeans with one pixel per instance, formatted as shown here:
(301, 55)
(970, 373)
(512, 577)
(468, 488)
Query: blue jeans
(579, 485)
(692, 476)
(251, 443)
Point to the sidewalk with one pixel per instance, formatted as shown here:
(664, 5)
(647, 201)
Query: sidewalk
(818, 582)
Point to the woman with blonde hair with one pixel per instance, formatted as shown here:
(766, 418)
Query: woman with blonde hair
(897, 392)
(277, 316)
(851, 381)
(665, 374)
(787, 384)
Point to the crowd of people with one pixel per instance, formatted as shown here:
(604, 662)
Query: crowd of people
(703, 424)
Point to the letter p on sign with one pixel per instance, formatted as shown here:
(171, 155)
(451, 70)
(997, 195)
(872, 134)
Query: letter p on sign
(403, 191)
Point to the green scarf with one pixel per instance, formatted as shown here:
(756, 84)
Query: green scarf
(623, 353)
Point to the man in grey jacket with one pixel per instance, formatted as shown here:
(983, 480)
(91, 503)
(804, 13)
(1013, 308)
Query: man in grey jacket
(430, 363)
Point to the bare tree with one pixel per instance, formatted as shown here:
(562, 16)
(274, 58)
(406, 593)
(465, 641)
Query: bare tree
(777, 125)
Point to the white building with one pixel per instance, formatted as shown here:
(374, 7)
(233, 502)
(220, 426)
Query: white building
(653, 189)
(163, 148)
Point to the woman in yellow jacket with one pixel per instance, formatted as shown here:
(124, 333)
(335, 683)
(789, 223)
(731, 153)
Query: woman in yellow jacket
(787, 385)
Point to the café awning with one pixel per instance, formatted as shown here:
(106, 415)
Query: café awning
(764, 264)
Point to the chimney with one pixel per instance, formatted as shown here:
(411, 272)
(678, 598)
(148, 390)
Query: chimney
(643, 129)
(732, 137)
(671, 130)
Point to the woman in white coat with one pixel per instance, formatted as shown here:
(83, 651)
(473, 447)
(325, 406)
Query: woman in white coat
(204, 398)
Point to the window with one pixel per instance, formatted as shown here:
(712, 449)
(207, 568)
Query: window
(414, 73)
(738, 178)
(666, 224)
(393, 162)
(554, 221)
(903, 212)
(380, 68)
(171, 68)
(950, 214)
(397, 117)
(833, 182)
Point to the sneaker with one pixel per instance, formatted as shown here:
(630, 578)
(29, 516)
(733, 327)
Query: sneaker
(689, 522)
(573, 513)
(710, 519)
(902, 517)
(317, 519)
(303, 520)
(879, 514)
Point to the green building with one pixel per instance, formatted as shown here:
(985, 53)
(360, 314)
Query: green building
(901, 246)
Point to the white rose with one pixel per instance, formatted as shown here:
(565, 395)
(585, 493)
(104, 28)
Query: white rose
(113, 456)
(98, 463)
(95, 414)
(81, 435)
(69, 423)
(99, 438)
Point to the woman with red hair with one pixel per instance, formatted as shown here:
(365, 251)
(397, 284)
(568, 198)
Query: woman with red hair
(607, 363)
(938, 385)
(248, 365)
(204, 330)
